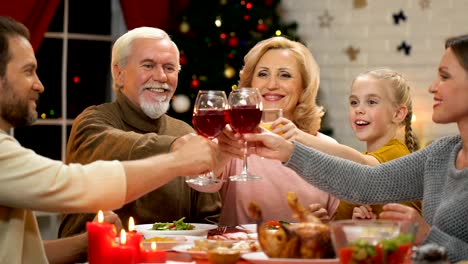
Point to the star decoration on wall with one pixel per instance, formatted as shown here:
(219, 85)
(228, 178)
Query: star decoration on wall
(359, 3)
(404, 47)
(400, 16)
(352, 52)
(424, 4)
(325, 19)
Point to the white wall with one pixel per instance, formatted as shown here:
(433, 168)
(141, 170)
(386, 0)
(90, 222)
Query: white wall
(372, 30)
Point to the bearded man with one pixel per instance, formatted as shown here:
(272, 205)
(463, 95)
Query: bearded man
(145, 68)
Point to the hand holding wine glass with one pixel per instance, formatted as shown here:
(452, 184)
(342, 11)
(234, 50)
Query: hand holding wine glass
(209, 120)
(269, 116)
(245, 113)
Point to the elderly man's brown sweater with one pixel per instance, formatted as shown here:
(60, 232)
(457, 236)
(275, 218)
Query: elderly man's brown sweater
(121, 131)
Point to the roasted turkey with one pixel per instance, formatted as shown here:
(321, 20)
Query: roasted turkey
(309, 238)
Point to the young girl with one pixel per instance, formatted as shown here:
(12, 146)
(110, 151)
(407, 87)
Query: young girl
(380, 106)
(437, 174)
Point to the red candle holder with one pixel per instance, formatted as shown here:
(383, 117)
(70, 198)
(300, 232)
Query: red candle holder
(101, 239)
(133, 237)
(124, 253)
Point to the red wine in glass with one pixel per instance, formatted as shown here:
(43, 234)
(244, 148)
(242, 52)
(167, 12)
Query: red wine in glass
(209, 120)
(244, 118)
(209, 123)
(244, 115)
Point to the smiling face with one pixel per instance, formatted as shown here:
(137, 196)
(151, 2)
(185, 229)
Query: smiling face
(450, 91)
(20, 87)
(149, 79)
(372, 113)
(278, 77)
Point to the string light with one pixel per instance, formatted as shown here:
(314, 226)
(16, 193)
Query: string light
(278, 32)
(218, 22)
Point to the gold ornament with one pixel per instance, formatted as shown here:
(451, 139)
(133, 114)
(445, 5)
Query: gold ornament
(184, 27)
(229, 72)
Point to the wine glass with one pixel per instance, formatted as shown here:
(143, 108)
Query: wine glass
(244, 114)
(209, 120)
(269, 116)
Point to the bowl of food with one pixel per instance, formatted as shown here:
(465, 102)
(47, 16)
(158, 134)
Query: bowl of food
(223, 255)
(372, 241)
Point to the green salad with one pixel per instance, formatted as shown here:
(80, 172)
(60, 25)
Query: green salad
(176, 225)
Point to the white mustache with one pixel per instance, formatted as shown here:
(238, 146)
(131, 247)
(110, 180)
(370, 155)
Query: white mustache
(164, 86)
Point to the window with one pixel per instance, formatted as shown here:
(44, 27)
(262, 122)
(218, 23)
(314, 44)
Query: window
(74, 66)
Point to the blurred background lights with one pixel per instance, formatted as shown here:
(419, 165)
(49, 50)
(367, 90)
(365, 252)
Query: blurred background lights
(181, 103)
(218, 22)
(278, 32)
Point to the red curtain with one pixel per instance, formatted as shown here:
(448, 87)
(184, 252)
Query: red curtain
(162, 14)
(36, 15)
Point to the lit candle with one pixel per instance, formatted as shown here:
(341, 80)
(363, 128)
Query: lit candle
(123, 253)
(133, 237)
(152, 255)
(101, 237)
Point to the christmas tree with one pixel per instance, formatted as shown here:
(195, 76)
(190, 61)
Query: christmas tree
(213, 38)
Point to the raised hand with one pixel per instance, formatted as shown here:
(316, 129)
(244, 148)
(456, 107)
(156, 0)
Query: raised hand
(179, 142)
(269, 145)
(288, 130)
(230, 144)
(197, 155)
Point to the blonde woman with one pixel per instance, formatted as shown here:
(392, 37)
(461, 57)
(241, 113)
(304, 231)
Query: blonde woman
(287, 76)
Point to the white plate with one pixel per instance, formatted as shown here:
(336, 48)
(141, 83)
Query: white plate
(195, 254)
(168, 245)
(261, 258)
(251, 227)
(200, 230)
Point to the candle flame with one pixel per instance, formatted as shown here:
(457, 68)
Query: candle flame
(153, 246)
(131, 224)
(100, 216)
(123, 237)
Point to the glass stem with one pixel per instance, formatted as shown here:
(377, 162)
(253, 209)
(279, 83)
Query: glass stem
(244, 163)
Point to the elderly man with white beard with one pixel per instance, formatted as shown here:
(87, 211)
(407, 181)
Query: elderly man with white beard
(145, 68)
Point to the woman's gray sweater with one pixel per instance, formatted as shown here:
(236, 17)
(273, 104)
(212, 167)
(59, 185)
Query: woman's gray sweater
(428, 175)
